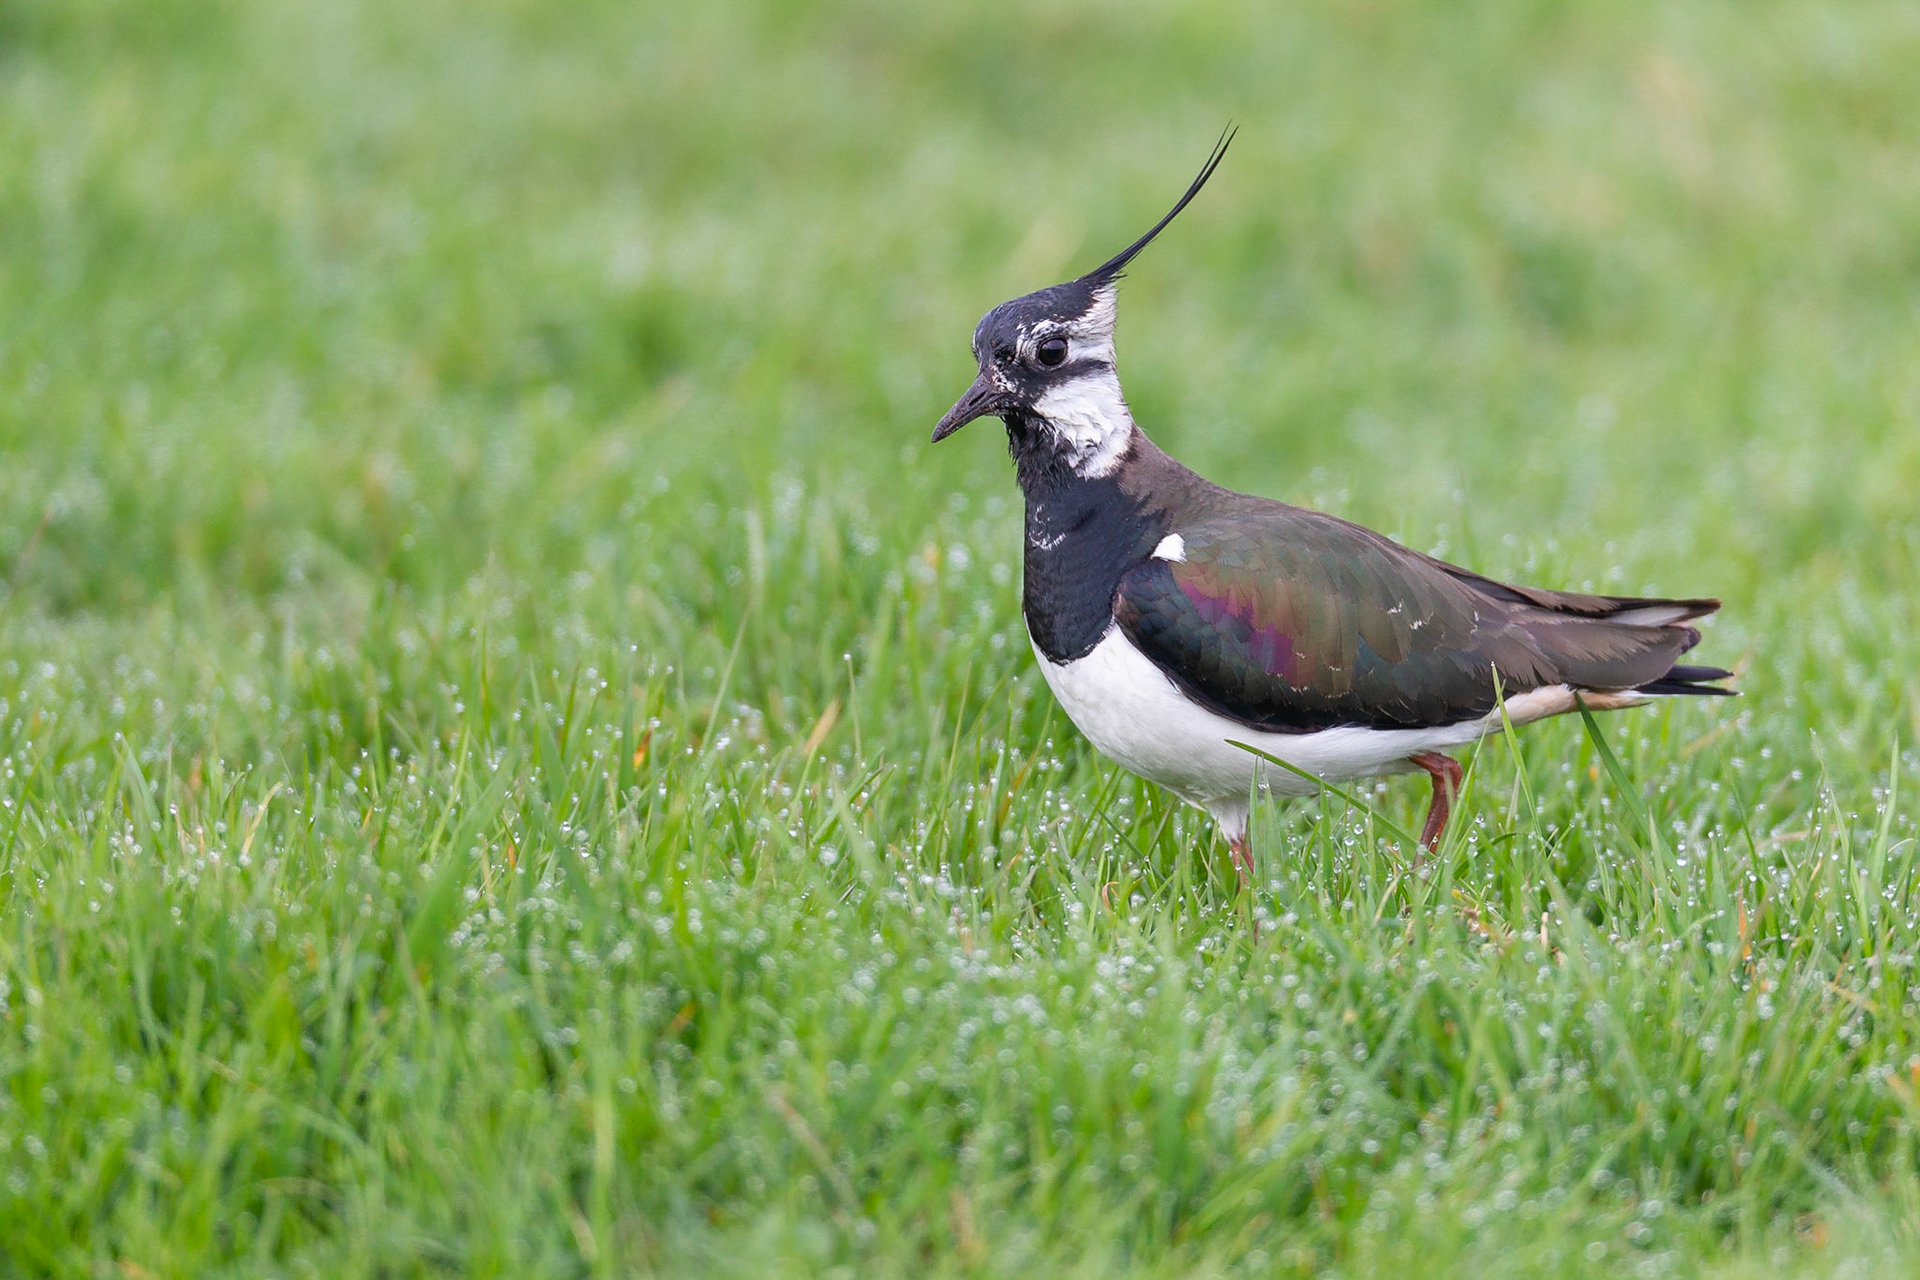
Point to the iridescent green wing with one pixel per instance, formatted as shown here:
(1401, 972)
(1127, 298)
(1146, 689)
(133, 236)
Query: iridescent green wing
(1291, 621)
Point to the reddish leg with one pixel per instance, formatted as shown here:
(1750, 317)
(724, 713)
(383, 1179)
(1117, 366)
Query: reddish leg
(1447, 775)
(1242, 857)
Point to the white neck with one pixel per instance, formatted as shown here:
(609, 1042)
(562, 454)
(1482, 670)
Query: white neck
(1090, 419)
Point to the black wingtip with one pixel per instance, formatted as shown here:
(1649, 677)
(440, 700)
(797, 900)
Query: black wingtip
(1691, 680)
(1111, 268)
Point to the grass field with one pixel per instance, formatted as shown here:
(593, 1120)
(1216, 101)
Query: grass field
(517, 758)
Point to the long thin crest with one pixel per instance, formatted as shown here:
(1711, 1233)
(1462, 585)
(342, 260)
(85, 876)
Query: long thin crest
(1111, 268)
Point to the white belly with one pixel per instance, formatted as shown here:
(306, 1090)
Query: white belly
(1138, 718)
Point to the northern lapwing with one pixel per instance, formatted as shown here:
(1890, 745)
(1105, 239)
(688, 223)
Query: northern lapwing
(1174, 618)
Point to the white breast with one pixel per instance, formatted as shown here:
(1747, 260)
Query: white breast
(1135, 716)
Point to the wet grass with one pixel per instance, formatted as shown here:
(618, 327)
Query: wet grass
(516, 758)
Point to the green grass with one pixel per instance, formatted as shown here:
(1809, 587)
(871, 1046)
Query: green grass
(516, 758)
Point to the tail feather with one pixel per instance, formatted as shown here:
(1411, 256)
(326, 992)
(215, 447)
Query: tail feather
(1610, 644)
(1690, 680)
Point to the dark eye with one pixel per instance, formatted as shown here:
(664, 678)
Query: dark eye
(1051, 351)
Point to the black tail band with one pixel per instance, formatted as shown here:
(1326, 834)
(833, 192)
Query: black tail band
(1685, 680)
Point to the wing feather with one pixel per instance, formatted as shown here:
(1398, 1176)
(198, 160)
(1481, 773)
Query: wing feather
(1290, 621)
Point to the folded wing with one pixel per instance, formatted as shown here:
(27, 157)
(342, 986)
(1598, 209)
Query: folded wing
(1290, 621)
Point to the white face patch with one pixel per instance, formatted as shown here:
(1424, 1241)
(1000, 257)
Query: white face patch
(1090, 416)
(1090, 413)
(1092, 334)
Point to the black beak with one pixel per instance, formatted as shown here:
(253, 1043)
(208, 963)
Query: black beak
(982, 398)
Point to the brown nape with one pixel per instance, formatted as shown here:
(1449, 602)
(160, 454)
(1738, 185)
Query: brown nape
(1447, 776)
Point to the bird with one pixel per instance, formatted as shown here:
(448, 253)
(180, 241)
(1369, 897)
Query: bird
(1179, 623)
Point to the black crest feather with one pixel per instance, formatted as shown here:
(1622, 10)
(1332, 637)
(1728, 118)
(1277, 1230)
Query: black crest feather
(1111, 268)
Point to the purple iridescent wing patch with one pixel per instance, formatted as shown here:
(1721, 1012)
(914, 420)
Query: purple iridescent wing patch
(1300, 622)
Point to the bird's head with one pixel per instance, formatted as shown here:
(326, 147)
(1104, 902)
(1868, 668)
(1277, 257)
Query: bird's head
(1046, 360)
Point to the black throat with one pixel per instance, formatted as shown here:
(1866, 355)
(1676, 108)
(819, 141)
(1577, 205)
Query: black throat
(1083, 533)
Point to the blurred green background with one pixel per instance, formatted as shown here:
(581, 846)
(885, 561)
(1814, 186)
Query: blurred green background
(370, 373)
(334, 294)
